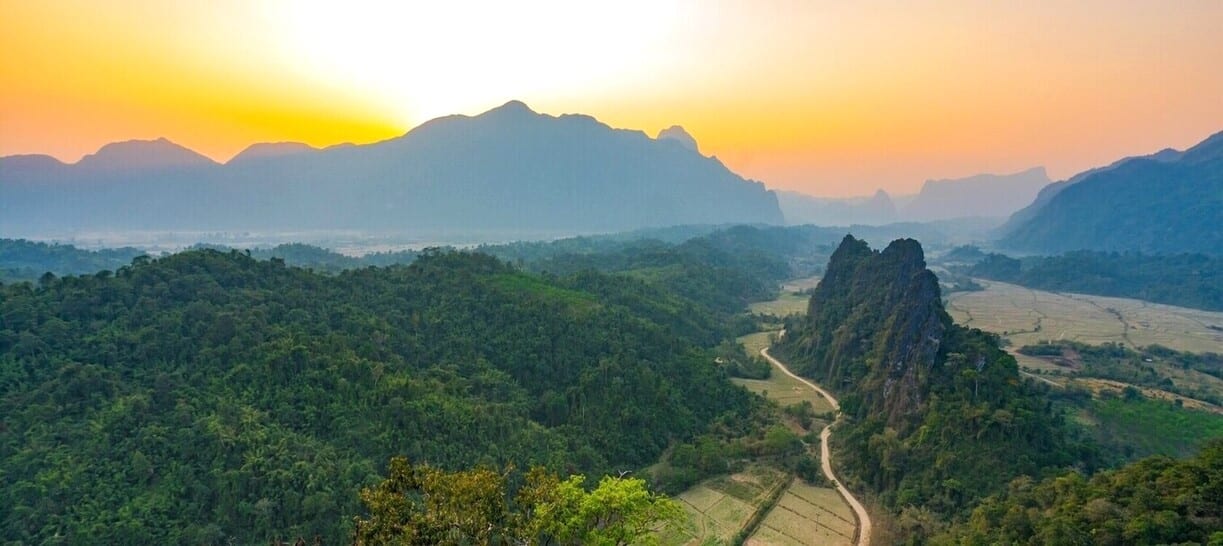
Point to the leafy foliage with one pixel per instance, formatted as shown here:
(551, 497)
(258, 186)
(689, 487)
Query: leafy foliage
(1131, 426)
(209, 396)
(1147, 367)
(419, 504)
(1153, 501)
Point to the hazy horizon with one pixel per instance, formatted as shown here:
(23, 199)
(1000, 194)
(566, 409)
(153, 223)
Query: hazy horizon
(829, 100)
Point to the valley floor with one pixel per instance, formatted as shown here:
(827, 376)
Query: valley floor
(1025, 316)
(802, 515)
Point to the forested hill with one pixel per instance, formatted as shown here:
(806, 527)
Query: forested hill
(1153, 501)
(1156, 204)
(22, 260)
(207, 396)
(940, 416)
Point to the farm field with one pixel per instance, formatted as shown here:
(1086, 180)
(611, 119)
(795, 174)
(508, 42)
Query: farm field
(807, 516)
(788, 303)
(779, 386)
(1025, 316)
(718, 508)
(753, 343)
(798, 285)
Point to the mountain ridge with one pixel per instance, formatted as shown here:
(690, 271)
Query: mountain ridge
(156, 153)
(800, 208)
(1167, 202)
(264, 150)
(984, 195)
(1048, 192)
(506, 169)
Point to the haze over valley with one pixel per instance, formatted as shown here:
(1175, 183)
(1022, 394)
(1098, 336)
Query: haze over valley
(664, 273)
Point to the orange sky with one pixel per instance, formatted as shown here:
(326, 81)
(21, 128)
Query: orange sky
(831, 98)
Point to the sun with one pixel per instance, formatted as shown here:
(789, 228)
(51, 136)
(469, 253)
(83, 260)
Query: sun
(423, 60)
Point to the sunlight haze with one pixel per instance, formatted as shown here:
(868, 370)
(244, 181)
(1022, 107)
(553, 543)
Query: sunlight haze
(828, 98)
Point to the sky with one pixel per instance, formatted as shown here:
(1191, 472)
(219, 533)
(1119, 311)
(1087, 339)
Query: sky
(828, 98)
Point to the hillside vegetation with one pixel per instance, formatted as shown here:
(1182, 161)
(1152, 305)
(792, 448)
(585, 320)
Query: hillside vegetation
(207, 397)
(22, 260)
(940, 416)
(1154, 501)
(1155, 205)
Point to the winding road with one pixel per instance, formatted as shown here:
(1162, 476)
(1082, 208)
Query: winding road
(864, 519)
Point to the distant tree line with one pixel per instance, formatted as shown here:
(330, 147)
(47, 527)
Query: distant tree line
(22, 260)
(1187, 280)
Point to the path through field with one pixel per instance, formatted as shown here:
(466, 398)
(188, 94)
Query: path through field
(864, 519)
(1026, 316)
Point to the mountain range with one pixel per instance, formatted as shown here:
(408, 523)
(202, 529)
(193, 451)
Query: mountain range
(508, 169)
(979, 196)
(983, 195)
(800, 208)
(1167, 202)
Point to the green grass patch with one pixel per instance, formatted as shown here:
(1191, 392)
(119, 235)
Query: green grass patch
(1143, 427)
(538, 288)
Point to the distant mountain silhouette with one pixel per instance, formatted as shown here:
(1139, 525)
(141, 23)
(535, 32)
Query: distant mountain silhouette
(983, 195)
(265, 150)
(143, 154)
(678, 134)
(1048, 192)
(507, 169)
(800, 208)
(1168, 202)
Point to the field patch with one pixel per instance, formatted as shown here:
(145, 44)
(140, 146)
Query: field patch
(788, 303)
(1146, 427)
(785, 390)
(799, 285)
(1026, 317)
(718, 507)
(753, 343)
(807, 516)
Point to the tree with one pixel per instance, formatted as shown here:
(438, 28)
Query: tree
(619, 512)
(424, 505)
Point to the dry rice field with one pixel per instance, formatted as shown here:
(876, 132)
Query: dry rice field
(788, 303)
(718, 507)
(807, 516)
(1026, 316)
(798, 285)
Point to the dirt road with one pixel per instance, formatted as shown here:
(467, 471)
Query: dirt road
(864, 519)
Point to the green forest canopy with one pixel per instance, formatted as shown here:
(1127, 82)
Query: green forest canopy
(207, 396)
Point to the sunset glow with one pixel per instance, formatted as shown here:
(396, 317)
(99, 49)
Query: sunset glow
(829, 98)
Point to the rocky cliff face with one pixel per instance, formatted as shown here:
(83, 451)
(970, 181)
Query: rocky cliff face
(874, 327)
(939, 416)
